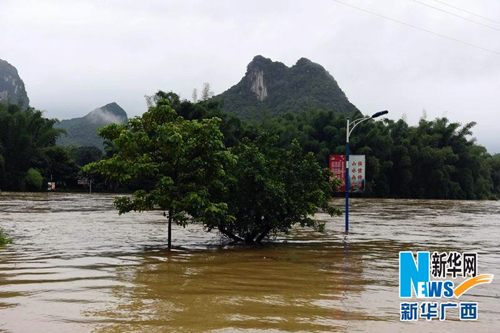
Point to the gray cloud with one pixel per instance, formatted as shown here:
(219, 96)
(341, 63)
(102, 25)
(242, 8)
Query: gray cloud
(79, 55)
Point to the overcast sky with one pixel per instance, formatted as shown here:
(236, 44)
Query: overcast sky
(75, 56)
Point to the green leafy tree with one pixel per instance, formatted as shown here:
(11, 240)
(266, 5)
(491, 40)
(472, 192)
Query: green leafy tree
(33, 180)
(55, 163)
(24, 134)
(87, 154)
(494, 163)
(271, 189)
(109, 149)
(185, 158)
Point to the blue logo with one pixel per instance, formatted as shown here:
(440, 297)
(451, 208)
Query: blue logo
(433, 276)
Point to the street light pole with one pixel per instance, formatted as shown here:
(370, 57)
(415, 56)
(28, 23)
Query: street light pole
(347, 179)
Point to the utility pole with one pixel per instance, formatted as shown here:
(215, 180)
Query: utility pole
(347, 180)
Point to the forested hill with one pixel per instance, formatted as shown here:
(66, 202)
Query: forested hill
(12, 88)
(83, 131)
(272, 87)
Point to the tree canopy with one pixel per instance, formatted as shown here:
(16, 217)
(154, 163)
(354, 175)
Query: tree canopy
(248, 192)
(184, 158)
(270, 189)
(27, 142)
(435, 159)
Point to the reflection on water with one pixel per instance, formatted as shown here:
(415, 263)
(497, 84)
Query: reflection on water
(78, 266)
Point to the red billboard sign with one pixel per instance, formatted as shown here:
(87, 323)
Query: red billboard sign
(337, 167)
(356, 171)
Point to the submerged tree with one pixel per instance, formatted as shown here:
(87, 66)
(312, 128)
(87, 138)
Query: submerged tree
(271, 189)
(184, 158)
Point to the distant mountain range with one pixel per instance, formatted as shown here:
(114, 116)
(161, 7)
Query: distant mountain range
(267, 87)
(272, 87)
(12, 88)
(83, 131)
(80, 131)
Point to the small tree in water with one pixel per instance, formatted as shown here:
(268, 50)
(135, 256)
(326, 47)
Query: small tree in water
(271, 189)
(185, 158)
(4, 239)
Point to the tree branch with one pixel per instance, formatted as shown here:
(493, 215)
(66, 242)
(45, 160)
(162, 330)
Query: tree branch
(230, 234)
(263, 234)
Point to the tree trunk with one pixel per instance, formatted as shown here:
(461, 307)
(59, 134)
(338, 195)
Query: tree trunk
(230, 235)
(249, 239)
(170, 213)
(263, 234)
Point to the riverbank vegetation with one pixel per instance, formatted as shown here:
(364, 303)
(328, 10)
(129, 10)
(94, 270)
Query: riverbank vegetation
(29, 157)
(246, 179)
(434, 159)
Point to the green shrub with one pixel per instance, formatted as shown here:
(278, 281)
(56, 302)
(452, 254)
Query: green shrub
(33, 180)
(4, 239)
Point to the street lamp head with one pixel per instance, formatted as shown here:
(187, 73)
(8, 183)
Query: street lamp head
(380, 113)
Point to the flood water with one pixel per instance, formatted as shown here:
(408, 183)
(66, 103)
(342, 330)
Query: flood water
(77, 266)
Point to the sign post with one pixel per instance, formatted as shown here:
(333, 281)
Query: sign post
(86, 182)
(348, 132)
(357, 172)
(351, 171)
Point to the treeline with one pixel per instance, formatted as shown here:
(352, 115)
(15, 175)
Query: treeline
(29, 157)
(435, 159)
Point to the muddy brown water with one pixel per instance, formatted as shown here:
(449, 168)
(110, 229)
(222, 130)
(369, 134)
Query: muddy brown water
(77, 266)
